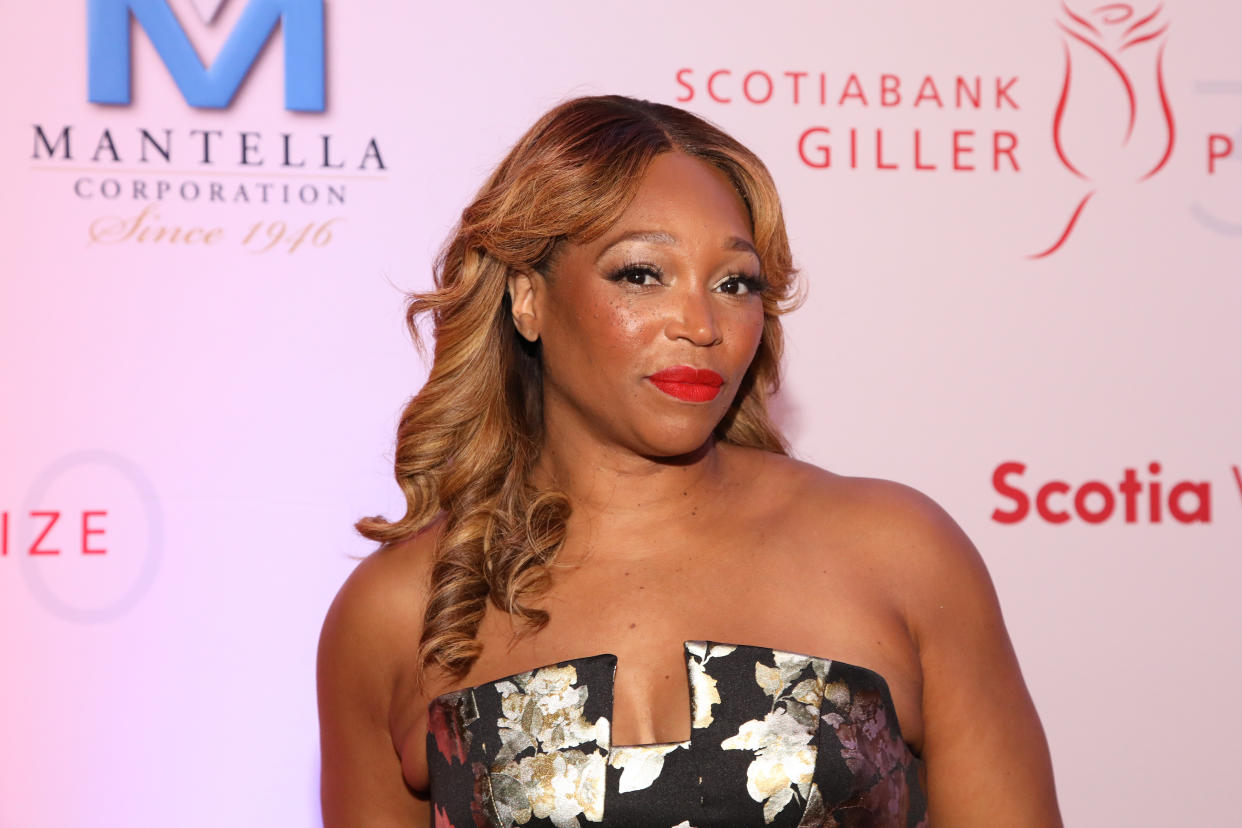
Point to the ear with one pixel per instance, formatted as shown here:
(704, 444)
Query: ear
(524, 288)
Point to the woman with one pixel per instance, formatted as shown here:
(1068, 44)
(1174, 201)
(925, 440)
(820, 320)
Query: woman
(594, 485)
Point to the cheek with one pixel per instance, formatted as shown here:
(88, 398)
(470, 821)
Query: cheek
(747, 330)
(601, 337)
(620, 327)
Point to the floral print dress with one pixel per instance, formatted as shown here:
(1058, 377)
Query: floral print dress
(777, 739)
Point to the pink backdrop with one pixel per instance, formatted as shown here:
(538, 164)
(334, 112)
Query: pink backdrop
(216, 416)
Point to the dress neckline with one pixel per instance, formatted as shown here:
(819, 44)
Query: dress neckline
(694, 651)
(776, 737)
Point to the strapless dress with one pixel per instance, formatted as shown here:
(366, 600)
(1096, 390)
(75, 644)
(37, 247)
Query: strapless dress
(777, 739)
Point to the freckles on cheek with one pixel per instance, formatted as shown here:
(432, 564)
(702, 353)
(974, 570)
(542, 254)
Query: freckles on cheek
(747, 334)
(622, 326)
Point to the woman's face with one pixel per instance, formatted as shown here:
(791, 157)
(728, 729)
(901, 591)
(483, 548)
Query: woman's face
(648, 331)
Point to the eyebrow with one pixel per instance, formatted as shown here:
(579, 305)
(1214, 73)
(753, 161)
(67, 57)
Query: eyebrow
(661, 237)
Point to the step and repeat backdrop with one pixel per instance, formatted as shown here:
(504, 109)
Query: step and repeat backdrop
(1019, 226)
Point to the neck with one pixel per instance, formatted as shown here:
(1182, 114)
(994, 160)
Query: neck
(614, 492)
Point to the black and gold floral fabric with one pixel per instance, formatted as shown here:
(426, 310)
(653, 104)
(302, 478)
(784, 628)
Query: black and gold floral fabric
(777, 739)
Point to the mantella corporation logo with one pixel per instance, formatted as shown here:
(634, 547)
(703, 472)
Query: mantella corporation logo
(301, 22)
(184, 176)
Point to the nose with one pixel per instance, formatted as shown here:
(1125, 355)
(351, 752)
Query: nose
(693, 318)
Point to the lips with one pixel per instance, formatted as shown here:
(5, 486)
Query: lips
(688, 384)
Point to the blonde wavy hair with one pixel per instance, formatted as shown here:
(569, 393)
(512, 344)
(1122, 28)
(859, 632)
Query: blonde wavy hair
(468, 441)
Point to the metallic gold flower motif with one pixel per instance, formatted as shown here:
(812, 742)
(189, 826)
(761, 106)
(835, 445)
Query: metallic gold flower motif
(543, 711)
(784, 759)
(815, 815)
(555, 786)
(702, 685)
(782, 741)
(640, 765)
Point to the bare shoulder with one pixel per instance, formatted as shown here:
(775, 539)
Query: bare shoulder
(382, 601)
(986, 756)
(891, 542)
(368, 647)
(367, 686)
(894, 526)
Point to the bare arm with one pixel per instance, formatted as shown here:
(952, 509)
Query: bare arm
(986, 755)
(364, 653)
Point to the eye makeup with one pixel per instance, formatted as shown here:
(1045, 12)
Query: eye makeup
(637, 274)
(644, 274)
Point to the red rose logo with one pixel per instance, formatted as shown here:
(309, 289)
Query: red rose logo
(1113, 121)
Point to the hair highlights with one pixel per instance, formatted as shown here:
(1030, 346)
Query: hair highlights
(467, 442)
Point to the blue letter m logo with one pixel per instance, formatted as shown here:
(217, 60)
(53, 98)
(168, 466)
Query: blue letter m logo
(214, 87)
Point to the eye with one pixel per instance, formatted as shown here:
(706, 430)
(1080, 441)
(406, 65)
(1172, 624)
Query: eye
(637, 274)
(739, 285)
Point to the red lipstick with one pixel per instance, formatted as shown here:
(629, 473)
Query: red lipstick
(689, 384)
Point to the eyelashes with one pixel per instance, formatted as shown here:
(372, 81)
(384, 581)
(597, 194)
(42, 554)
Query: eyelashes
(640, 274)
(741, 284)
(637, 274)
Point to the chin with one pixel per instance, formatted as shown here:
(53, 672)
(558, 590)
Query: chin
(678, 443)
